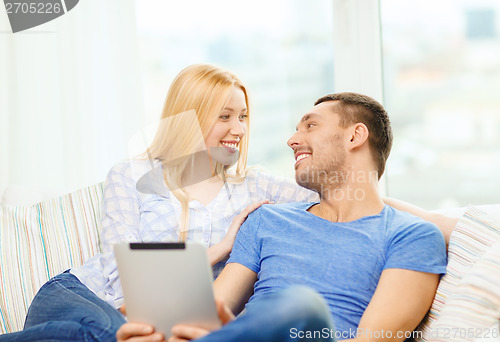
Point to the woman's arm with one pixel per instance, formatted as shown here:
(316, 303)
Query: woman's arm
(120, 215)
(120, 223)
(445, 223)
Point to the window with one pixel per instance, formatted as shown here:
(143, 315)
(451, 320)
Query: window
(282, 50)
(442, 75)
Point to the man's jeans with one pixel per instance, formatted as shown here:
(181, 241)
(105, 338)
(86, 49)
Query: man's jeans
(291, 315)
(66, 310)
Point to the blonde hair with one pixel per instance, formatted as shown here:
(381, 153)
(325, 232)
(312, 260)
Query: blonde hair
(200, 91)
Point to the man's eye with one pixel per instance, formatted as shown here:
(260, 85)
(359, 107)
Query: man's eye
(309, 125)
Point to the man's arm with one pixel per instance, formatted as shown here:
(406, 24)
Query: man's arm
(400, 302)
(234, 286)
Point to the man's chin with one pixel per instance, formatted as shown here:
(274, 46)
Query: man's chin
(310, 186)
(302, 179)
(310, 178)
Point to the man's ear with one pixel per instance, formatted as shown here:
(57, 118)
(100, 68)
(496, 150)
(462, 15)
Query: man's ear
(358, 135)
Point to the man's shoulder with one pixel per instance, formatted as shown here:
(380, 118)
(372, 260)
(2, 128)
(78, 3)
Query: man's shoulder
(400, 217)
(413, 243)
(277, 219)
(273, 213)
(283, 208)
(401, 222)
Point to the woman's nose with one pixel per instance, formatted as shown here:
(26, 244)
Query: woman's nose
(238, 128)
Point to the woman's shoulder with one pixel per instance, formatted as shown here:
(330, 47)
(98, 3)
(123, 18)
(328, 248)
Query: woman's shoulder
(135, 177)
(132, 169)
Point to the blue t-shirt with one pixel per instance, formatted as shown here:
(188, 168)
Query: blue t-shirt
(286, 245)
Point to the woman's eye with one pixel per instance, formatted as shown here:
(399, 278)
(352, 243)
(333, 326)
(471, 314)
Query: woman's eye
(224, 117)
(243, 117)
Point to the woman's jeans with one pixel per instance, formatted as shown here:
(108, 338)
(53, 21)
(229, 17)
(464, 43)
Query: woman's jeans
(291, 315)
(66, 310)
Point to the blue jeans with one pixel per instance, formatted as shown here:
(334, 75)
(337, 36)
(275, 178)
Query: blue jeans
(291, 315)
(66, 310)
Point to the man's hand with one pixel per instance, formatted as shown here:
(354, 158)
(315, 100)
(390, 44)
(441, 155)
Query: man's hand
(138, 332)
(182, 333)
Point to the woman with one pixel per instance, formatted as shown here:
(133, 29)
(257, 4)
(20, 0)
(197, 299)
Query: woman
(181, 189)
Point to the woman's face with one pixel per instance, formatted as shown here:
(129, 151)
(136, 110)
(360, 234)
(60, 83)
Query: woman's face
(223, 140)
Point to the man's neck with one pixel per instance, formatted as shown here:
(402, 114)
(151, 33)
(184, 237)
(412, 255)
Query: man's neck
(349, 202)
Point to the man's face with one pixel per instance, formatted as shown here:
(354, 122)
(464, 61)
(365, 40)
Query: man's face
(318, 146)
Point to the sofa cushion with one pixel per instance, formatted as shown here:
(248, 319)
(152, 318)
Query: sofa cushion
(472, 310)
(38, 242)
(476, 232)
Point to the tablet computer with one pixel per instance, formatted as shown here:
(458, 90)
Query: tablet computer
(167, 283)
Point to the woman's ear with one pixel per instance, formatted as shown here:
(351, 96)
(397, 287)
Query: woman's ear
(359, 135)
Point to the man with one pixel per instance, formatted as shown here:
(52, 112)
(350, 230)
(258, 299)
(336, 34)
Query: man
(376, 268)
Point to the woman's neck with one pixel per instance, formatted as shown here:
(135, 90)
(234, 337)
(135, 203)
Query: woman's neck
(205, 191)
(199, 179)
(198, 169)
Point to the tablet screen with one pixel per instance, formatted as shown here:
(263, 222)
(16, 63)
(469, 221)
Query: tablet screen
(167, 283)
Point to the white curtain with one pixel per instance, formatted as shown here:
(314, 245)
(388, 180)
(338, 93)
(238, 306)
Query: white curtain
(70, 96)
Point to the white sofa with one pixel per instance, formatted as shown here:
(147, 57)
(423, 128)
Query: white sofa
(39, 241)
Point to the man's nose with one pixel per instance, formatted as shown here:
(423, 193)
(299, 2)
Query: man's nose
(293, 141)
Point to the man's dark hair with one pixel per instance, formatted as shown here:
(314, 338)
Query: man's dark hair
(356, 108)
